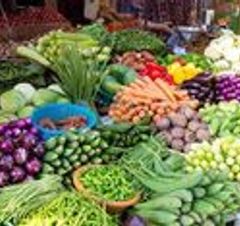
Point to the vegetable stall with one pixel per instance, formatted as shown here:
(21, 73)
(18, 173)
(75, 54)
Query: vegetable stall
(113, 129)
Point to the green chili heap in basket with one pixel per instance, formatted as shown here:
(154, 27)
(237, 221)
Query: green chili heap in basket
(108, 183)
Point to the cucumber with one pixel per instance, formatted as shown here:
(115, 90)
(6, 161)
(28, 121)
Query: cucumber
(217, 203)
(96, 143)
(56, 163)
(84, 158)
(77, 164)
(199, 192)
(196, 217)
(59, 150)
(186, 220)
(186, 208)
(74, 158)
(73, 145)
(97, 161)
(161, 203)
(86, 148)
(91, 153)
(208, 223)
(65, 164)
(72, 137)
(92, 136)
(47, 169)
(62, 171)
(81, 138)
(79, 151)
(104, 144)
(50, 157)
(68, 152)
(62, 140)
(159, 217)
(51, 143)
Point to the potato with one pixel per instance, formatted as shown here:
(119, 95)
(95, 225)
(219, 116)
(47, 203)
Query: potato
(190, 136)
(188, 112)
(166, 136)
(163, 123)
(194, 126)
(203, 134)
(178, 119)
(177, 144)
(177, 132)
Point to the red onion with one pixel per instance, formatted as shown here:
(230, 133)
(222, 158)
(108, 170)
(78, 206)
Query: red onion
(33, 166)
(6, 146)
(17, 174)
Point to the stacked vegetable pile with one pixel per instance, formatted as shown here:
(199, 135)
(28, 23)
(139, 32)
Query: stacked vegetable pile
(21, 152)
(147, 98)
(222, 118)
(176, 197)
(198, 60)
(221, 155)
(225, 53)
(69, 209)
(183, 71)
(137, 40)
(115, 185)
(20, 101)
(125, 135)
(202, 88)
(227, 87)
(182, 128)
(69, 151)
(51, 46)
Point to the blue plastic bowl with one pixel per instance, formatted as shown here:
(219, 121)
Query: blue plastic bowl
(59, 112)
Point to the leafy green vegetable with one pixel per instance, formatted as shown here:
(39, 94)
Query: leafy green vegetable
(12, 100)
(128, 40)
(25, 112)
(45, 96)
(26, 89)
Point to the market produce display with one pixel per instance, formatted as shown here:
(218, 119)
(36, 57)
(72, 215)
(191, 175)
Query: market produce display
(221, 155)
(177, 198)
(163, 148)
(222, 118)
(115, 185)
(225, 53)
(182, 128)
(147, 98)
(21, 101)
(68, 152)
(21, 152)
(60, 211)
(202, 88)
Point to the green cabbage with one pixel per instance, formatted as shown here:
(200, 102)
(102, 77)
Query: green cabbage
(25, 112)
(27, 90)
(45, 96)
(11, 101)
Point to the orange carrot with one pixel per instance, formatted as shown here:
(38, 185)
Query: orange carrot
(166, 89)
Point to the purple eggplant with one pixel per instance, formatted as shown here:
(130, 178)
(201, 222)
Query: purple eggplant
(39, 151)
(134, 221)
(33, 166)
(4, 178)
(6, 162)
(20, 156)
(29, 141)
(6, 146)
(17, 174)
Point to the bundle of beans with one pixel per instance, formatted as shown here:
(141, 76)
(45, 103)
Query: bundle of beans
(136, 60)
(227, 87)
(182, 128)
(147, 98)
(201, 88)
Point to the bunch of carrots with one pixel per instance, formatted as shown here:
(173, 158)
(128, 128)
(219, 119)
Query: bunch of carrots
(148, 98)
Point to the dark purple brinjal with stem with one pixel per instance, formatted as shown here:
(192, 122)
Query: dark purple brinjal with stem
(21, 152)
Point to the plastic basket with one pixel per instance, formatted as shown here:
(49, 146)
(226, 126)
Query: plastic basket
(62, 111)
